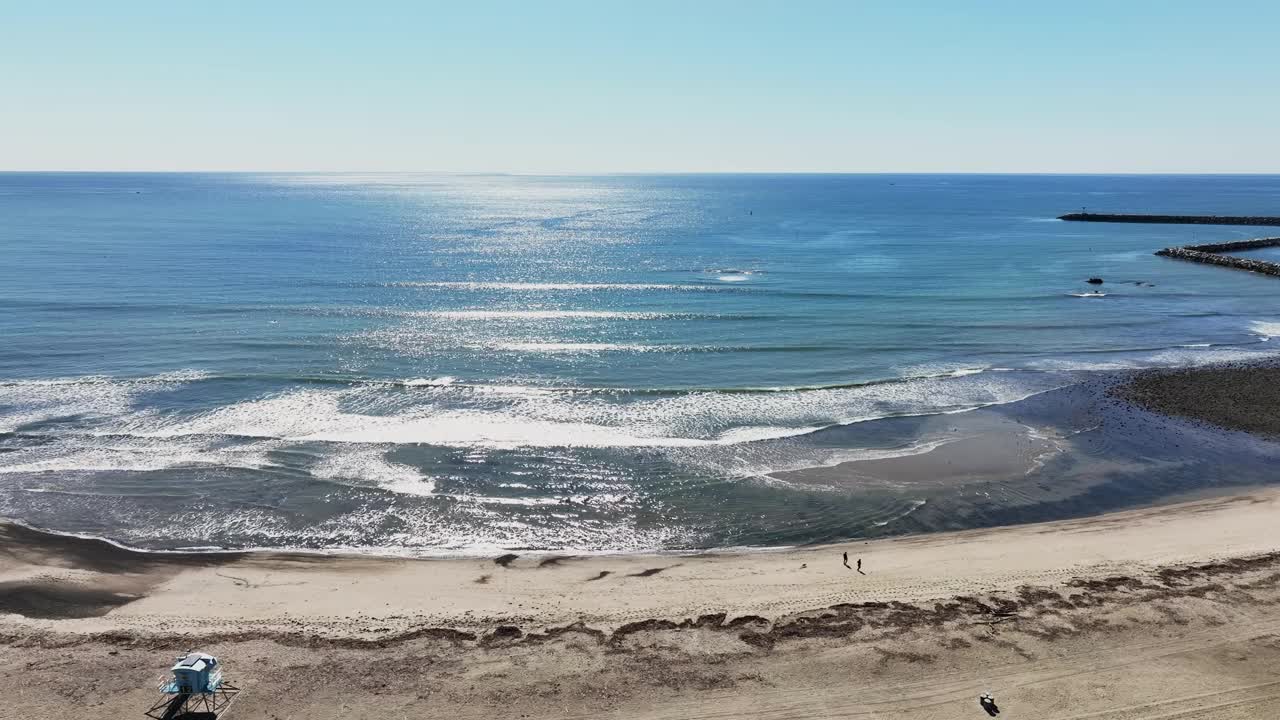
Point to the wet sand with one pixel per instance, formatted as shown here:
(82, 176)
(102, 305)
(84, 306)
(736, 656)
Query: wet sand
(983, 446)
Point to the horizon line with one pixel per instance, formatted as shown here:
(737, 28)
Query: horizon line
(638, 173)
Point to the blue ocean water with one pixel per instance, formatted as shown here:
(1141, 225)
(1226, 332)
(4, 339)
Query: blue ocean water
(455, 363)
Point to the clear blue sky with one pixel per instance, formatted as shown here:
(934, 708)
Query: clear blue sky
(647, 85)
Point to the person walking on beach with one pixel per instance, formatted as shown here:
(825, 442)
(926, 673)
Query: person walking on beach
(846, 560)
(860, 567)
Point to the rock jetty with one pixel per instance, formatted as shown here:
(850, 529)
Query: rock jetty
(1174, 219)
(1211, 254)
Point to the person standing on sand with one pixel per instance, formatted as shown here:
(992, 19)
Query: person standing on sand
(846, 560)
(860, 567)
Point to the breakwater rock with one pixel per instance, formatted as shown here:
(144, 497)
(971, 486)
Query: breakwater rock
(1174, 219)
(1211, 254)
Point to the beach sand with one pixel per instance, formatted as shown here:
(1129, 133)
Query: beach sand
(1161, 612)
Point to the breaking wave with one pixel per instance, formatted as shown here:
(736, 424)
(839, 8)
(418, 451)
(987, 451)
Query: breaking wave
(1265, 329)
(444, 412)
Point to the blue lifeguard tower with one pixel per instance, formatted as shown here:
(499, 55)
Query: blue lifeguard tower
(196, 690)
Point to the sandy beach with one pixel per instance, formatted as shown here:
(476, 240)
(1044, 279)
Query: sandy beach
(1154, 613)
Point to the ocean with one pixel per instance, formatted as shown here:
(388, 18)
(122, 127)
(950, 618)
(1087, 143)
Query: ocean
(454, 364)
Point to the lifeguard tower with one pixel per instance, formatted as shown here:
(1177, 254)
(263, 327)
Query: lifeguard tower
(197, 690)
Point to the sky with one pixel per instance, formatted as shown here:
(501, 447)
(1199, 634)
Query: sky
(643, 86)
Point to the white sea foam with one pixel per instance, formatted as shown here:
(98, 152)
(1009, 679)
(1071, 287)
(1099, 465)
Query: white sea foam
(442, 381)
(915, 505)
(932, 370)
(371, 466)
(597, 499)
(737, 436)
(762, 462)
(475, 531)
(176, 377)
(524, 501)
(23, 402)
(446, 412)
(131, 454)
(496, 430)
(1187, 357)
(539, 417)
(1266, 329)
(1183, 356)
(1088, 295)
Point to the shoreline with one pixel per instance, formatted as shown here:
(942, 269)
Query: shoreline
(934, 461)
(129, 588)
(1094, 616)
(1056, 619)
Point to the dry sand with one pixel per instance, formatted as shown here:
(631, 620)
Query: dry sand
(1156, 613)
